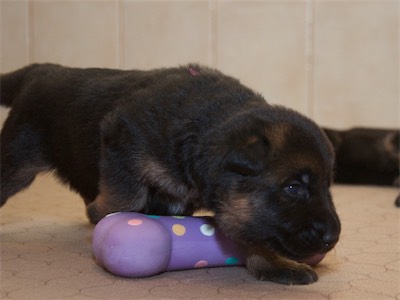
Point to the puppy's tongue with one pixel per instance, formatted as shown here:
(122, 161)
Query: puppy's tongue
(313, 260)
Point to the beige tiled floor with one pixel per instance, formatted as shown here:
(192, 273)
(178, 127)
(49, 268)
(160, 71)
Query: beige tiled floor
(46, 254)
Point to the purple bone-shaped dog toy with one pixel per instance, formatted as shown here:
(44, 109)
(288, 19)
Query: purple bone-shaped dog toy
(136, 245)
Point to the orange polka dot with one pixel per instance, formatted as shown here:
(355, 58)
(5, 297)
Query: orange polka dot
(178, 229)
(135, 222)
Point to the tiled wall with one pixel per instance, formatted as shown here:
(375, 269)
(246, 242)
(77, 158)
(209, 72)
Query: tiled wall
(336, 61)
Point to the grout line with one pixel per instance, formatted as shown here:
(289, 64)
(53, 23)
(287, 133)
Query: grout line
(213, 34)
(117, 35)
(398, 62)
(309, 53)
(30, 32)
(120, 12)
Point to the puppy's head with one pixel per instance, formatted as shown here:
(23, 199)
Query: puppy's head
(273, 180)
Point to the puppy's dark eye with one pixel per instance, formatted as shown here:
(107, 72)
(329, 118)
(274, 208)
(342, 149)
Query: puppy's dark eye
(295, 189)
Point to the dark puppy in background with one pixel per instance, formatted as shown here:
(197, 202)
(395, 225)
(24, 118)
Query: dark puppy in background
(367, 156)
(172, 141)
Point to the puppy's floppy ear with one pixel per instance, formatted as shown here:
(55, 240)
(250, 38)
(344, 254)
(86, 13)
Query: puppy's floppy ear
(246, 157)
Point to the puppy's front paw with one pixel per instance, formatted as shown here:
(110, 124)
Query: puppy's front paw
(93, 213)
(289, 274)
(279, 270)
(99, 208)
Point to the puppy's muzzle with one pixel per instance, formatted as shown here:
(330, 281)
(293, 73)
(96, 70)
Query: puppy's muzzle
(328, 228)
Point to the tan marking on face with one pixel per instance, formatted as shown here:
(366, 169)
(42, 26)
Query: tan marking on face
(234, 216)
(276, 134)
(237, 210)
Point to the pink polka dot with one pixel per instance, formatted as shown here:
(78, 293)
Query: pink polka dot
(135, 222)
(201, 264)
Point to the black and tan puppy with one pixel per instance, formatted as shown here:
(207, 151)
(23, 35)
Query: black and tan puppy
(367, 156)
(172, 141)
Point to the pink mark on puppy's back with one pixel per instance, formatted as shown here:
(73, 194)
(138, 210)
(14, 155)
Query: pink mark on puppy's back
(193, 71)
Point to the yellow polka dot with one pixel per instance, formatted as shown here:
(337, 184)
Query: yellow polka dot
(178, 229)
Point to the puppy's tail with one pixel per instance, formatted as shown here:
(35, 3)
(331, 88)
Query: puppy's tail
(11, 84)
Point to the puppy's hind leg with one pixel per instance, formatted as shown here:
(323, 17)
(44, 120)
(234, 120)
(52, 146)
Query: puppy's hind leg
(22, 158)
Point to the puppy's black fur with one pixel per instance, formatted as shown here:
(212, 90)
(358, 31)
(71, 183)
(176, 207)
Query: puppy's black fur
(367, 156)
(172, 141)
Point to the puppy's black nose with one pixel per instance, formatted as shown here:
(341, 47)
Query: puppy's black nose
(330, 239)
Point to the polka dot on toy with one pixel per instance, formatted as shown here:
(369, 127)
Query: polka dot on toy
(135, 222)
(231, 260)
(153, 216)
(201, 264)
(178, 229)
(207, 229)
